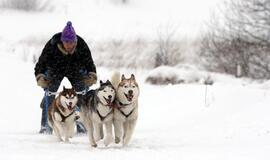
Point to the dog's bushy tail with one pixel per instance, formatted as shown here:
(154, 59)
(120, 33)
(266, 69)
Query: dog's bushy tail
(115, 79)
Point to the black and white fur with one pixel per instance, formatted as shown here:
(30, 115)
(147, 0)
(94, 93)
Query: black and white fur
(97, 111)
(126, 107)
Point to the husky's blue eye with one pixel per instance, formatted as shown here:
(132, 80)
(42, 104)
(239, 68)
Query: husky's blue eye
(104, 91)
(126, 86)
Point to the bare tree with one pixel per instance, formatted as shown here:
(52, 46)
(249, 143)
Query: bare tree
(168, 50)
(241, 39)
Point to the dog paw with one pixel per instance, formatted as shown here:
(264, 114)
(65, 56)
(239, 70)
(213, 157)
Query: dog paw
(108, 141)
(125, 142)
(117, 140)
(60, 139)
(94, 145)
(67, 140)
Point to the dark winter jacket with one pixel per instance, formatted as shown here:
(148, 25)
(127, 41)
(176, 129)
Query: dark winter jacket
(57, 63)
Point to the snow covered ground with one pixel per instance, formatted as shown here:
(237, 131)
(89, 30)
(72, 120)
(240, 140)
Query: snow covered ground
(228, 122)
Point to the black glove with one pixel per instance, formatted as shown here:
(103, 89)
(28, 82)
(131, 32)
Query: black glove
(41, 81)
(90, 79)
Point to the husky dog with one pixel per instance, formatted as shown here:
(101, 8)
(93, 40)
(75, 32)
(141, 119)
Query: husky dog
(126, 107)
(97, 110)
(61, 114)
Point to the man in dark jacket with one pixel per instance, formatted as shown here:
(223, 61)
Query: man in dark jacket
(65, 55)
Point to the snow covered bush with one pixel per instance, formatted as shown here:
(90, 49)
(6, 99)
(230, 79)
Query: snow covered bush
(164, 75)
(25, 5)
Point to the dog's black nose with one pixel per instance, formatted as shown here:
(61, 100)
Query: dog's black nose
(130, 92)
(110, 96)
(70, 103)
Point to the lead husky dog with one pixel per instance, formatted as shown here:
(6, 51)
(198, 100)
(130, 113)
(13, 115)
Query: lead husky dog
(97, 110)
(61, 114)
(126, 107)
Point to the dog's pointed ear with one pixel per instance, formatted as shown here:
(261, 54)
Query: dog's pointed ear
(64, 88)
(132, 77)
(108, 82)
(123, 77)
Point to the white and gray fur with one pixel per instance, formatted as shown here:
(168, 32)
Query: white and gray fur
(126, 107)
(61, 114)
(96, 111)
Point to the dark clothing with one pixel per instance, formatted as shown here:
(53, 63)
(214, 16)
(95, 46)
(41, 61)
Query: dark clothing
(56, 65)
(55, 83)
(59, 65)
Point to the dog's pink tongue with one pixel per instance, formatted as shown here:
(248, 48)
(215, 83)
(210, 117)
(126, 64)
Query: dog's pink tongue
(70, 107)
(130, 97)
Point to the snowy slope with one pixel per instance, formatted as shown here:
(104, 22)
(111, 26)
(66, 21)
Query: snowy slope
(96, 19)
(226, 121)
(100, 22)
(175, 122)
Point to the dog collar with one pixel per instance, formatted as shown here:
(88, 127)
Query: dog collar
(101, 117)
(62, 116)
(119, 104)
(126, 115)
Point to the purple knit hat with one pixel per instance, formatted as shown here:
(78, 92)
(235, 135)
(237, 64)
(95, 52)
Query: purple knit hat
(68, 33)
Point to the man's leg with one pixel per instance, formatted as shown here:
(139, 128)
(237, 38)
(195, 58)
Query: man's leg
(53, 87)
(45, 128)
(77, 83)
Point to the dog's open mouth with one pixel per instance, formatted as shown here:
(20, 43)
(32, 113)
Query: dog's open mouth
(129, 97)
(108, 100)
(70, 107)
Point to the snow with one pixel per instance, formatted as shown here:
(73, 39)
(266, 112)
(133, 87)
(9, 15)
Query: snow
(225, 121)
(229, 121)
(104, 19)
(100, 22)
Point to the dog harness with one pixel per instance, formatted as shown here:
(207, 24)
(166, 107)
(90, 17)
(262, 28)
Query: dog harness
(65, 117)
(121, 105)
(62, 116)
(103, 117)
